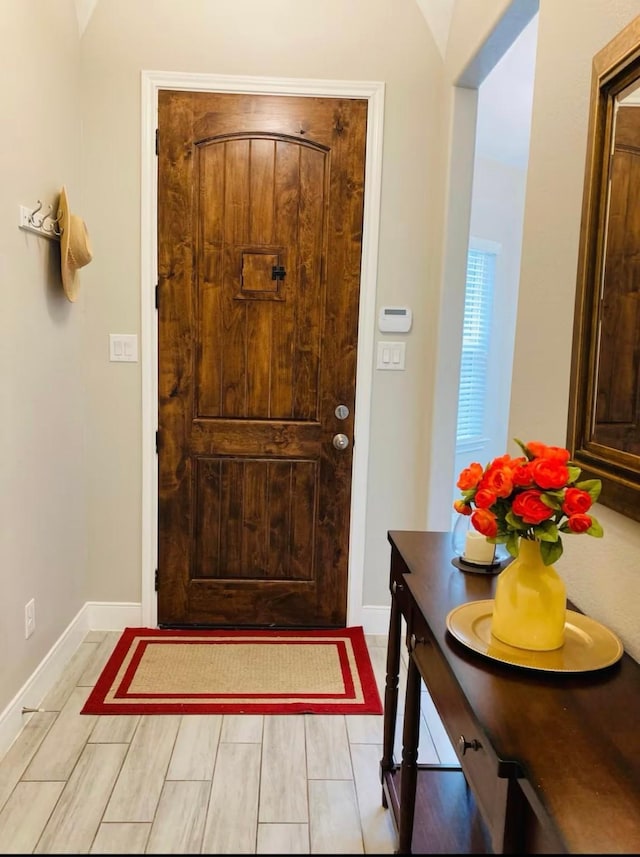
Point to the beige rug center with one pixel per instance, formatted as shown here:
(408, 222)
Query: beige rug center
(238, 668)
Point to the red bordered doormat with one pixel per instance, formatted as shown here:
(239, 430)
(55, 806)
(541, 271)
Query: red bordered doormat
(159, 671)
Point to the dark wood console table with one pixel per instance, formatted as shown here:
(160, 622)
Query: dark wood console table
(549, 762)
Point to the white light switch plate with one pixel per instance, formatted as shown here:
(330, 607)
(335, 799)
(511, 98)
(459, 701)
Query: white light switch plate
(123, 348)
(390, 355)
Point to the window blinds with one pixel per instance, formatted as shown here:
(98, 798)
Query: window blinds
(478, 304)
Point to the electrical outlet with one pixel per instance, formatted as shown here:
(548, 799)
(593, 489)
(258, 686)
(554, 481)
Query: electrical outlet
(29, 618)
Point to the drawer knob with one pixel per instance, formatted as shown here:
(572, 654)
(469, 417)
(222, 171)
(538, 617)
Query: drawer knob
(464, 745)
(413, 642)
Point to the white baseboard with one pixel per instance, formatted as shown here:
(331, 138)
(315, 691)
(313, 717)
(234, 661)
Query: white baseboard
(93, 616)
(375, 620)
(103, 616)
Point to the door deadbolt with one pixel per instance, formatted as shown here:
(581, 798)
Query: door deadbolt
(340, 441)
(342, 412)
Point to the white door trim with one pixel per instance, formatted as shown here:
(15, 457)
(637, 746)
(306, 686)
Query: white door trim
(373, 91)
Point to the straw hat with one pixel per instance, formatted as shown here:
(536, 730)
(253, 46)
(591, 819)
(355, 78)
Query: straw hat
(75, 246)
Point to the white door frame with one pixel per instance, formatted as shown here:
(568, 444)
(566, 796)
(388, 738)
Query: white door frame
(373, 91)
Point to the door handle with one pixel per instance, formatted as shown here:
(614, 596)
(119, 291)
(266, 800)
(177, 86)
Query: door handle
(340, 441)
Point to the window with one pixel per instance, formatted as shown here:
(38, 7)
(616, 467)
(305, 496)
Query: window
(478, 307)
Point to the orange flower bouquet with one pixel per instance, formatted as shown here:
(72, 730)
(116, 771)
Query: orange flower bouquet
(536, 496)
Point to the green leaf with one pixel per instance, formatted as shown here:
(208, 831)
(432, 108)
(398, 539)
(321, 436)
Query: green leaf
(574, 467)
(513, 544)
(547, 531)
(524, 449)
(551, 551)
(574, 473)
(515, 522)
(595, 529)
(555, 492)
(552, 499)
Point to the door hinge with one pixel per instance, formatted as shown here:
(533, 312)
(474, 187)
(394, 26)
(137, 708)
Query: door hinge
(157, 142)
(157, 441)
(155, 583)
(157, 293)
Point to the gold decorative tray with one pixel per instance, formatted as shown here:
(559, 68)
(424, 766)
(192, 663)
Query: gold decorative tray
(588, 645)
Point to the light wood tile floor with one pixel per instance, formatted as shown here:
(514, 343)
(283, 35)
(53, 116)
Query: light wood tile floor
(196, 784)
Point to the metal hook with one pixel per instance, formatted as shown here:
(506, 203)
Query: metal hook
(45, 216)
(54, 226)
(46, 224)
(42, 219)
(32, 219)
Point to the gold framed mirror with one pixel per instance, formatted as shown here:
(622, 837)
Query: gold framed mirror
(603, 431)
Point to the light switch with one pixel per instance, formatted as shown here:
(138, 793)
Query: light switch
(123, 348)
(390, 355)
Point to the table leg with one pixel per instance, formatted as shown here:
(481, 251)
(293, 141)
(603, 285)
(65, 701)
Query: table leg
(409, 767)
(391, 690)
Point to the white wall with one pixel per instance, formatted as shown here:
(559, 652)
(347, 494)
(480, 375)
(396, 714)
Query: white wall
(43, 522)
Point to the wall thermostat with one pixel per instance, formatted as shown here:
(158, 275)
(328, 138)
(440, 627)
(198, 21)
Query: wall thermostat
(394, 319)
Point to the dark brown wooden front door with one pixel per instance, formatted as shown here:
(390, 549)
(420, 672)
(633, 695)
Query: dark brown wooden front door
(260, 204)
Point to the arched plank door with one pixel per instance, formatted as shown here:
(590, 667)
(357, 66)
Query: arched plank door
(260, 206)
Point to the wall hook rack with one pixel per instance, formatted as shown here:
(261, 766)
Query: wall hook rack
(33, 220)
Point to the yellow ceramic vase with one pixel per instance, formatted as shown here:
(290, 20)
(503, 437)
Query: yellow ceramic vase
(530, 605)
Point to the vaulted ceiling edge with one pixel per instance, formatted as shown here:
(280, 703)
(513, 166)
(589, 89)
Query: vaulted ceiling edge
(438, 14)
(84, 11)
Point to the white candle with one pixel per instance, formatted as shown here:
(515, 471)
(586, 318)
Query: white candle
(477, 549)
